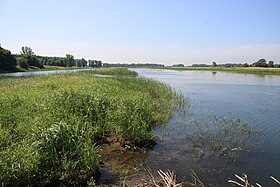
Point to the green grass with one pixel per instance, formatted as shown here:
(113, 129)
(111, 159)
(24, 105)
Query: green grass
(249, 70)
(115, 72)
(51, 126)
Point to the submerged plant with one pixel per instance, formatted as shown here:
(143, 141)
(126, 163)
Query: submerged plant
(221, 136)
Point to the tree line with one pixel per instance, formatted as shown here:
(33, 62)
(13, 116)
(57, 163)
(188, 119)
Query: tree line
(27, 58)
(260, 63)
(134, 65)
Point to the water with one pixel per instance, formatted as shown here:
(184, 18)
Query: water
(32, 73)
(253, 98)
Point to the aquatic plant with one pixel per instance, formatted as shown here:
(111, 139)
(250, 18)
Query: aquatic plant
(221, 136)
(51, 126)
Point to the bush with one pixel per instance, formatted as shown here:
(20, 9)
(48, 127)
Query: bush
(7, 60)
(22, 62)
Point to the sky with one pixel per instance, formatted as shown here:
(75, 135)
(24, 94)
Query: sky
(156, 31)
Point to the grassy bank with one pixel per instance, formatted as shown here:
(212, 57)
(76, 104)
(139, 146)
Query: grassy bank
(119, 72)
(51, 126)
(249, 70)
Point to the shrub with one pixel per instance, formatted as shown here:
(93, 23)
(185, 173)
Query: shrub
(22, 62)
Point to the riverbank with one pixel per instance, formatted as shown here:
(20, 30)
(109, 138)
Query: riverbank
(46, 68)
(51, 126)
(244, 70)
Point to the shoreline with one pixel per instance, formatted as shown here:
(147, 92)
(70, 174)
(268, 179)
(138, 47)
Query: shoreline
(241, 70)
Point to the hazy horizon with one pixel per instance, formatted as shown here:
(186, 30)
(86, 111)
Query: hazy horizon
(160, 31)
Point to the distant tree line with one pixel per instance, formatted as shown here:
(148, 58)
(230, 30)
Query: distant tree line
(95, 63)
(27, 58)
(67, 61)
(260, 63)
(133, 65)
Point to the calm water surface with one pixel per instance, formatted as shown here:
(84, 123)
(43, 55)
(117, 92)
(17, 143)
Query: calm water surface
(32, 73)
(254, 99)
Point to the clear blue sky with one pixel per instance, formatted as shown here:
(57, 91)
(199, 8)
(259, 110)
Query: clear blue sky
(162, 31)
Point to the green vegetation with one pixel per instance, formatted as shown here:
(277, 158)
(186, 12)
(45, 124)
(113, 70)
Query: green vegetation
(51, 126)
(115, 72)
(221, 136)
(134, 65)
(7, 60)
(249, 70)
(28, 61)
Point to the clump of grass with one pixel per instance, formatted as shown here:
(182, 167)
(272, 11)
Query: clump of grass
(50, 125)
(66, 153)
(115, 72)
(19, 164)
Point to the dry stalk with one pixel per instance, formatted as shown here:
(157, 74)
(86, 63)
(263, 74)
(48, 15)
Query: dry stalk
(246, 181)
(197, 181)
(169, 178)
(277, 181)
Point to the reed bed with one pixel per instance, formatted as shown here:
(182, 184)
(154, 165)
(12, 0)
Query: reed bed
(51, 126)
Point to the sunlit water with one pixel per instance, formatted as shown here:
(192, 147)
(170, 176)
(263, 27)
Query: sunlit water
(254, 99)
(32, 73)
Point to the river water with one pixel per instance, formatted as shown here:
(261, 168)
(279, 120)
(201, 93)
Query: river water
(47, 72)
(254, 99)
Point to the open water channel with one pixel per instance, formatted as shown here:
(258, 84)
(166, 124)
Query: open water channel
(254, 99)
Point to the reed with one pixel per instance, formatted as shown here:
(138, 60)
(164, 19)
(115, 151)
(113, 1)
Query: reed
(51, 126)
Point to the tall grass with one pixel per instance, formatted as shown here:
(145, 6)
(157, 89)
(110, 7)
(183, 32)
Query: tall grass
(50, 126)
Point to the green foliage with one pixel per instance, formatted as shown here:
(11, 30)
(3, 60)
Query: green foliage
(18, 165)
(26, 52)
(246, 70)
(95, 63)
(260, 63)
(67, 153)
(271, 64)
(50, 125)
(115, 72)
(134, 65)
(214, 64)
(22, 62)
(29, 55)
(70, 60)
(7, 60)
(178, 65)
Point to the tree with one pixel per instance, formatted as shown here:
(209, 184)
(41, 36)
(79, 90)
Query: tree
(84, 62)
(30, 57)
(260, 63)
(26, 52)
(214, 64)
(22, 62)
(98, 64)
(7, 60)
(70, 60)
(79, 63)
(271, 64)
